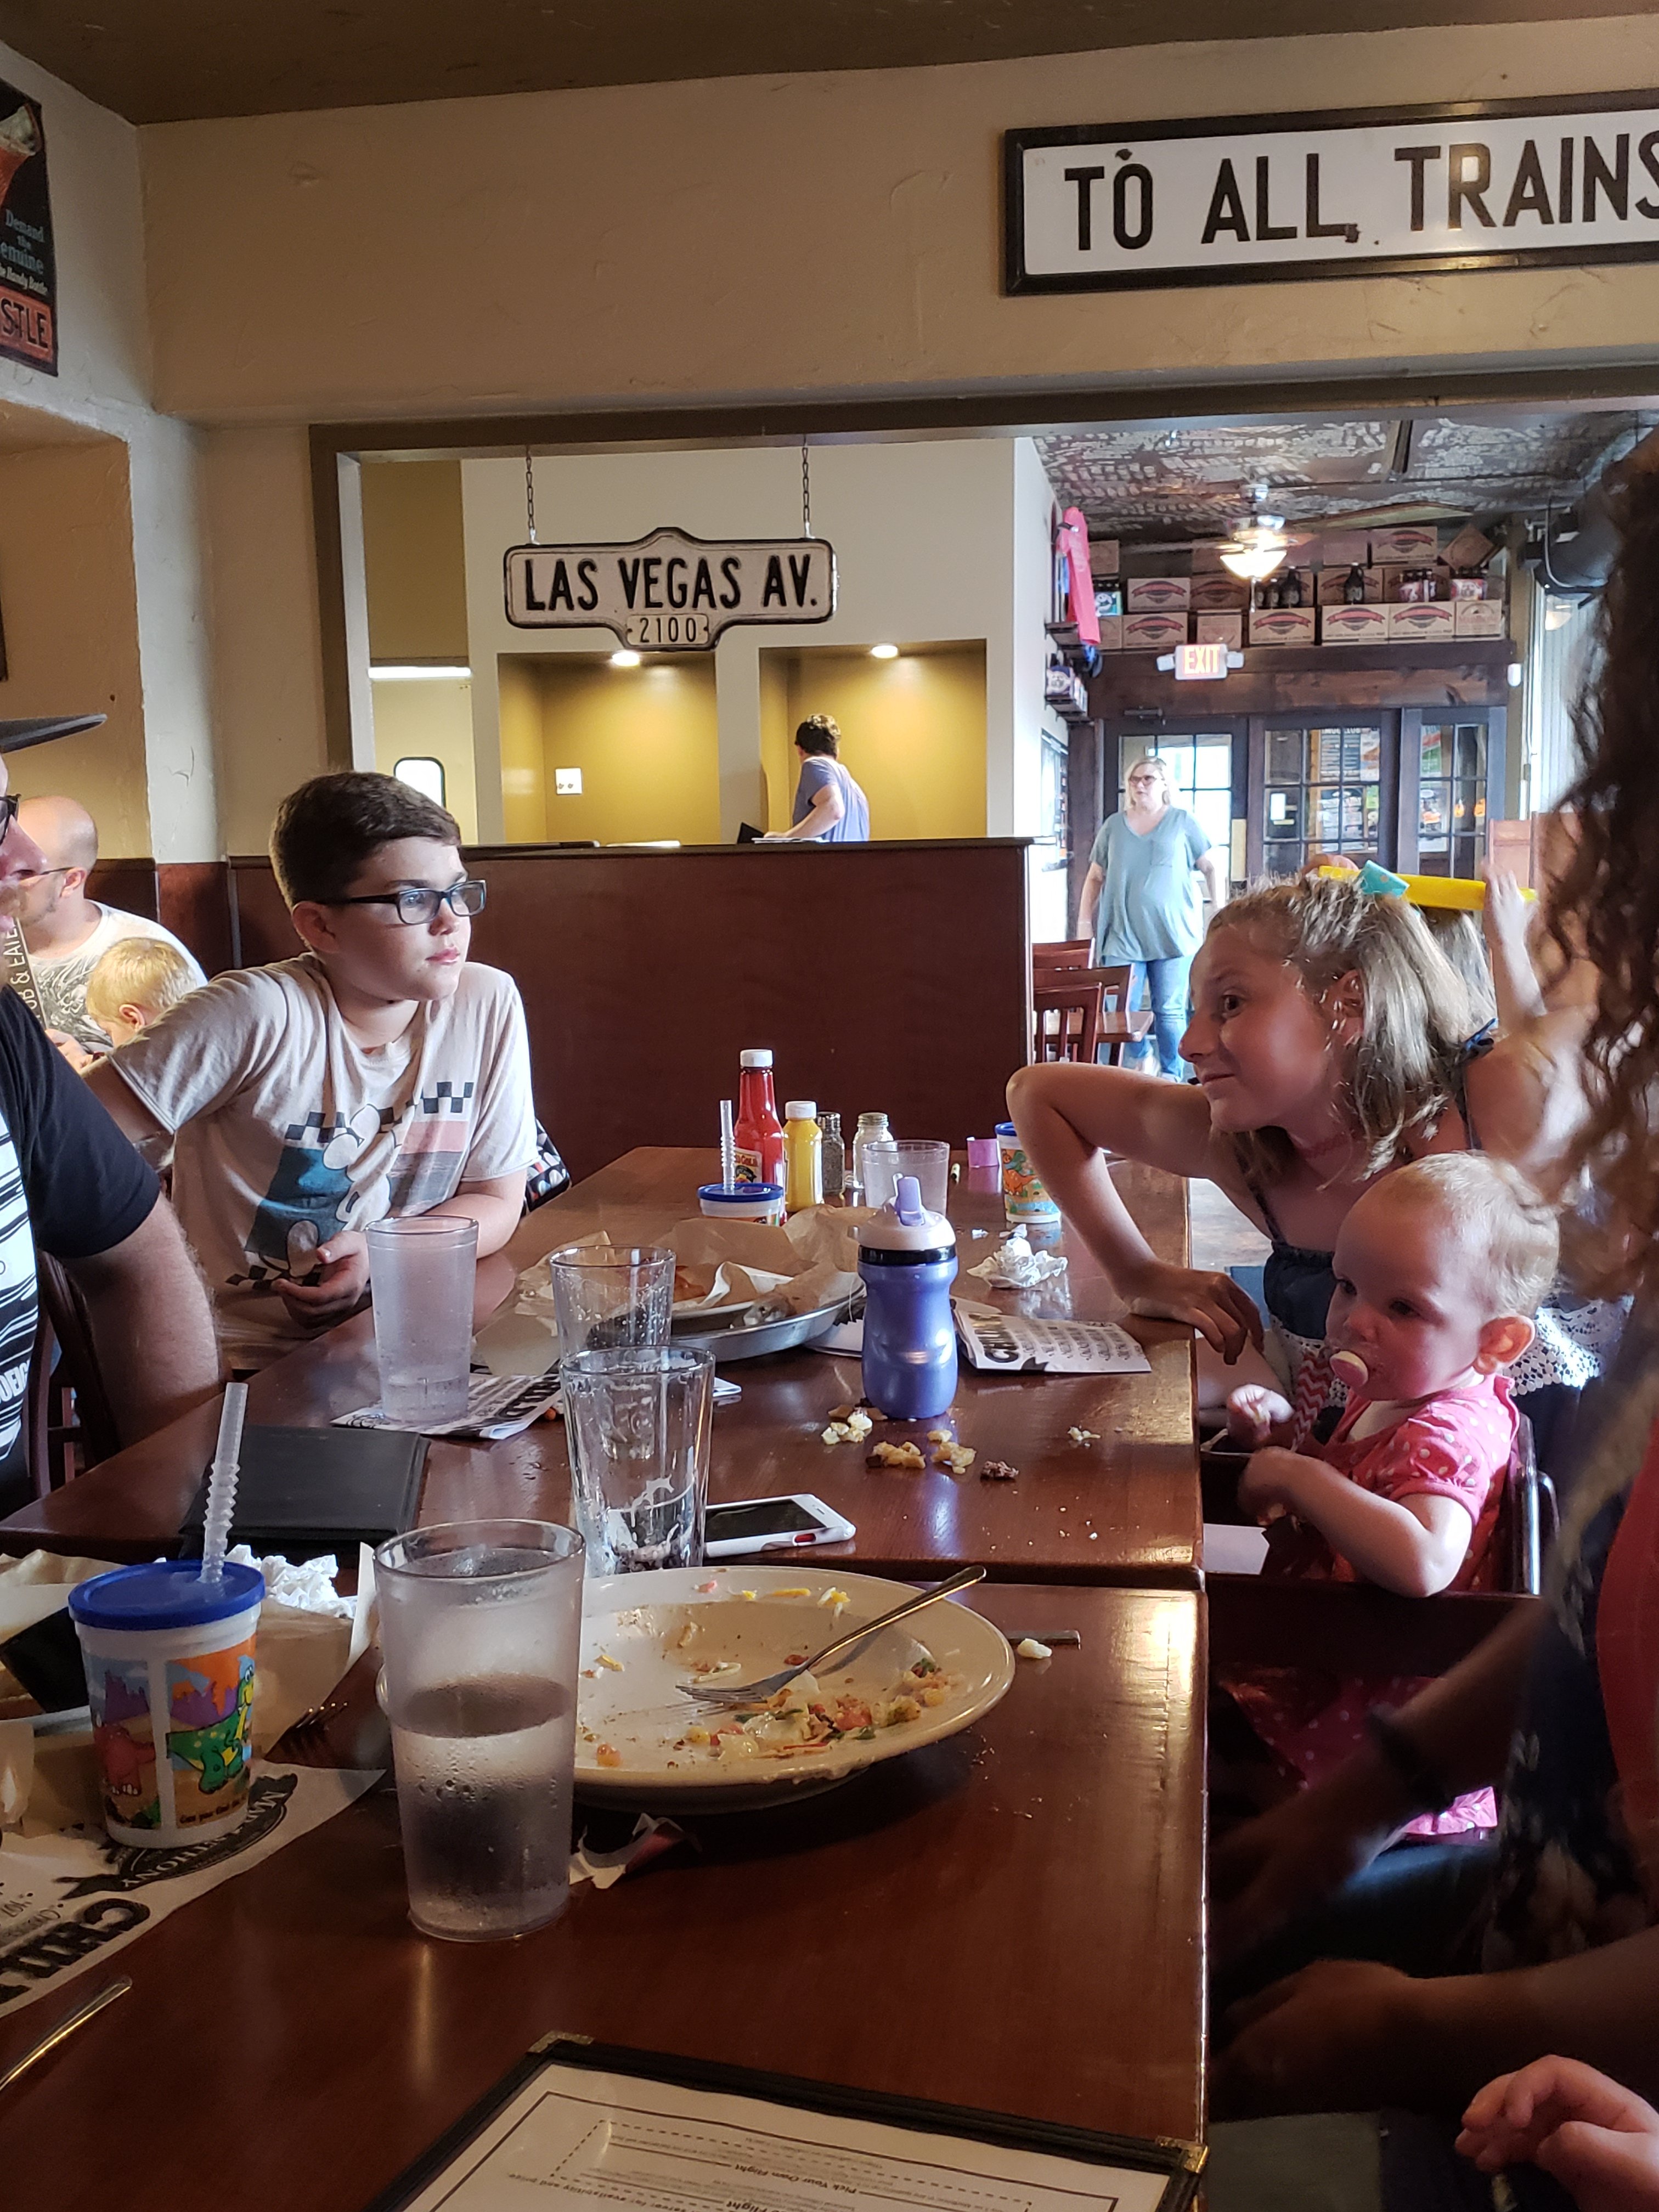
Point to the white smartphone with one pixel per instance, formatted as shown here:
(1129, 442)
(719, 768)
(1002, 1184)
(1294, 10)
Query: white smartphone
(768, 1524)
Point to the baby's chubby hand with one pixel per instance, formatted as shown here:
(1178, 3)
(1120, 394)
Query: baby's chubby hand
(1258, 1416)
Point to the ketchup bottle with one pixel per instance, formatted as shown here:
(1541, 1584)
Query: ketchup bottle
(758, 1132)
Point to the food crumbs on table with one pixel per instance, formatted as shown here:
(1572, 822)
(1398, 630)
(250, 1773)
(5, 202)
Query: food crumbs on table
(604, 1660)
(1094, 1535)
(839, 1412)
(905, 1455)
(998, 1470)
(1084, 1436)
(956, 1459)
(1028, 1648)
(941, 1437)
(608, 1755)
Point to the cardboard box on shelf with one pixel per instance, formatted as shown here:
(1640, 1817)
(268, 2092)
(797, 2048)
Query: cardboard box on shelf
(1342, 549)
(1282, 626)
(1111, 633)
(1411, 545)
(1481, 618)
(1158, 595)
(1103, 556)
(1219, 630)
(1222, 593)
(1367, 624)
(1153, 633)
(1432, 621)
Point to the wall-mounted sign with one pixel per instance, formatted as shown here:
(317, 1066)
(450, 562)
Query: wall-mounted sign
(1206, 663)
(28, 269)
(669, 591)
(1395, 191)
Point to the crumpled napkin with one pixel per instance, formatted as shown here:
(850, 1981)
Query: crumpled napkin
(1015, 1264)
(649, 1841)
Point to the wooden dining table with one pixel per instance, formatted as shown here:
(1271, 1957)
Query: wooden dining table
(1011, 1919)
(1121, 1506)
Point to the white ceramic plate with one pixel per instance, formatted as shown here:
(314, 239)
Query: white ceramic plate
(656, 1627)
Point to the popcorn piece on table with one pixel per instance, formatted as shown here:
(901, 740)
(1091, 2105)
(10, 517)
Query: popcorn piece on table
(998, 1470)
(954, 1458)
(1084, 1436)
(907, 1456)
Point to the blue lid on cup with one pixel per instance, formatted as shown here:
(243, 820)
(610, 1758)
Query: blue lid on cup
(1006, 1129)
(164, 1593)
(742, 1194)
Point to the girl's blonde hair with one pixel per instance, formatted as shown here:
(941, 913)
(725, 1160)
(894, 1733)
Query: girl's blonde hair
(1406, 1067)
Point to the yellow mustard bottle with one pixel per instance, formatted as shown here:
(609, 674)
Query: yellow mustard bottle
(803, 1154)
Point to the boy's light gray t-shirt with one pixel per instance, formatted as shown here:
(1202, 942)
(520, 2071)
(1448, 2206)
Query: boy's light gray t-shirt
(287, 1131)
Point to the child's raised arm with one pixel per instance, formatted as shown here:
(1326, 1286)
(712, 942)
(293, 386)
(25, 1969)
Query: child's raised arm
(1066, 1116)
(1414, 1545)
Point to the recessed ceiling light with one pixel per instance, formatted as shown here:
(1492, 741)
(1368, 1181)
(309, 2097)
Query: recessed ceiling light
(884, 653)
(626, 658)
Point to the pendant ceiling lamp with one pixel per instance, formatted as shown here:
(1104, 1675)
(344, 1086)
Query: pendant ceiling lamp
(1258, 545)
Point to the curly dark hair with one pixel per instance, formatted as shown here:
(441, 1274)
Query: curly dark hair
(1604, 906)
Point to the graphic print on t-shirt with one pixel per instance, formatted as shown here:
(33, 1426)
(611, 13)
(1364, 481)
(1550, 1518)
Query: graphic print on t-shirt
(312, 1197)
(17, 1294)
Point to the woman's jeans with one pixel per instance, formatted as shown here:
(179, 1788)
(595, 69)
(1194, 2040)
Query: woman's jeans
(1166, 994)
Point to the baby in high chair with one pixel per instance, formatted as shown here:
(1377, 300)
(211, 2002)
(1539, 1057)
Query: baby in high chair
(1440, 1267)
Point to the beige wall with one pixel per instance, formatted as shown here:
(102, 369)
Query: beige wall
(523, 759)
(913, 734)
(69, 609)
(414, 561)
(645, 739)
(812, 235)
(431, 719)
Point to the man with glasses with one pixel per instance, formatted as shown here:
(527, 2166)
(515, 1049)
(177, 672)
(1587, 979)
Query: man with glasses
(71, 1185)
(378, 1073)
(66, 933)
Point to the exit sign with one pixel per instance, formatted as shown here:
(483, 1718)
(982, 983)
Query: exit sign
(1201, 663)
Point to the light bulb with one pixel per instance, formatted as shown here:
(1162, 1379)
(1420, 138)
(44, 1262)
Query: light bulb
(626, 658)
(1254, 561)
(884, 653)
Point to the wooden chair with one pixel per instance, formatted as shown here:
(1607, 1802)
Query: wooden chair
(1068, 1019)
(69, 1424)
(1069, 952)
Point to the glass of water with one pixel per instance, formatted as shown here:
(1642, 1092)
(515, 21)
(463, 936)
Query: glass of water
(637, 1419)
(421, 1270)
(480, 1636)
(605, 1294)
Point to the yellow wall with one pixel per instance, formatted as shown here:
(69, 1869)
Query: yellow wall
(913, 735)
(523, 781)
(779, 766)
(71, 614)
(646, 740)
(414, 561)
(433, 719)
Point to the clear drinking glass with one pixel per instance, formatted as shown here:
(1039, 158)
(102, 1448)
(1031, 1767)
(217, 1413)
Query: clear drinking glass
(605, 1294)
(926, 1158)
(480, 1636)
(421, 1270)
(637, 1419)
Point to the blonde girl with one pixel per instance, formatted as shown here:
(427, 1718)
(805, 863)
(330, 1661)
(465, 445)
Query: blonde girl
(1331, 1041)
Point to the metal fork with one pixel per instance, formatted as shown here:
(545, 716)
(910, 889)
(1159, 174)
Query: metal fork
(757, 1693)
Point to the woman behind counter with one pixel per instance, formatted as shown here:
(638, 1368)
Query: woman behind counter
(1141, 901)
(830, 807)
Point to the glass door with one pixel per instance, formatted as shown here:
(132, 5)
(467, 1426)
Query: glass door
(1324, 787)
(1204, 767)
(1448, 762)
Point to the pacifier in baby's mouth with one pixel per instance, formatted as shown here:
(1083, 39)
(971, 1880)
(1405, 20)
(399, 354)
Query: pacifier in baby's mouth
(1348, 1367)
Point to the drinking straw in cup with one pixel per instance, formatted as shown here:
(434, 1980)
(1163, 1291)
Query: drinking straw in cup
(926, 1158)
(421, 1269)
(480, 1636)
(611, 1294)
(728, 1148)
(637, 1419)
(222, 1483)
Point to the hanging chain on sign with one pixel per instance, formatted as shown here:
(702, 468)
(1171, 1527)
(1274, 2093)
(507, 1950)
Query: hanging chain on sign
(530, 494)
(805, 490)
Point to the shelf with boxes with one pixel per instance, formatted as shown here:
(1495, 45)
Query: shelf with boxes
(1408, 583)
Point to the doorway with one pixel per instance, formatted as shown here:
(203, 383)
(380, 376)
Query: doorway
(1208, 762)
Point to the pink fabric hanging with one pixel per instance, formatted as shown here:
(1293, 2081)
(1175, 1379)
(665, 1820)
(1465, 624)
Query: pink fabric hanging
(1074, 545)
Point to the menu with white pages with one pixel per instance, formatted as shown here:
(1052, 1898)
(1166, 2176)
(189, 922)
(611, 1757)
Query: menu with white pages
(1023, 1344)
(581, 2124)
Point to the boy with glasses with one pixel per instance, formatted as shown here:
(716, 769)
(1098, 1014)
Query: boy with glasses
(377, 1074)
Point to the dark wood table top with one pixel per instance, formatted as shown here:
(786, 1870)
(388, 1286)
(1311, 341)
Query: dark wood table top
(1011, 1920)
(1124, 1510)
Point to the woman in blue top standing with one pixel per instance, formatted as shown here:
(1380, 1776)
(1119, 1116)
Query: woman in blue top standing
(830, 807)
(1141, 901)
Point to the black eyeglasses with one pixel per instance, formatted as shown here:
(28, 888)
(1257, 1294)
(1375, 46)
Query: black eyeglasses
(10, 804)
(418, 903)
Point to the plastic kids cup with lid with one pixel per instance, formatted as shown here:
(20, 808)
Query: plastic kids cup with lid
(744, 1201)
(1024, 1198)
(169, 1660)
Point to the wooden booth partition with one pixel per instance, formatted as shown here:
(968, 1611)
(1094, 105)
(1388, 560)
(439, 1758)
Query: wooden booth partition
(891, 976)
